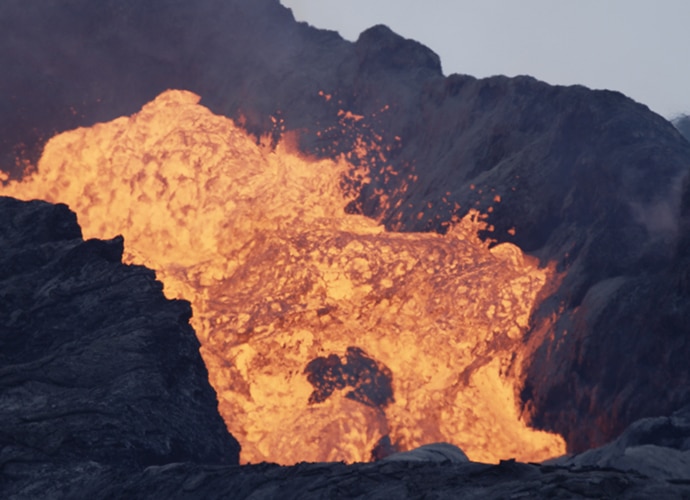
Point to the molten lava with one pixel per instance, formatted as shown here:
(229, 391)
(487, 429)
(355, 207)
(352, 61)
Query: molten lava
(324, 335)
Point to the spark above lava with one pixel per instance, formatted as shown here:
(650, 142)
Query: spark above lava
(324, 335)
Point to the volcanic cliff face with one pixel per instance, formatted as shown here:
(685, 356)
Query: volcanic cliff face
(97, 366)
(588, 180)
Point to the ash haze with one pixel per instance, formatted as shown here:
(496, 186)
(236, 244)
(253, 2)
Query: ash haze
(638, 47)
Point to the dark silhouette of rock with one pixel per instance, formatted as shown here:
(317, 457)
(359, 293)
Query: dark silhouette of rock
(587, 179)
(97, 367)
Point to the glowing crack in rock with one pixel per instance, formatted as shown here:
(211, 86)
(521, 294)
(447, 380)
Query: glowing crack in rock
(324, 335)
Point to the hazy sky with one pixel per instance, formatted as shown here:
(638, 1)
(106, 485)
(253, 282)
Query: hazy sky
(638, 47)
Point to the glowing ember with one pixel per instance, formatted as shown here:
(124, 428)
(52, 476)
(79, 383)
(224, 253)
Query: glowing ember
(323, 334)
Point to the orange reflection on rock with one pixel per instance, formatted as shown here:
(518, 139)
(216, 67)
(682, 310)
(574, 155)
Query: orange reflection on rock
(323, 333)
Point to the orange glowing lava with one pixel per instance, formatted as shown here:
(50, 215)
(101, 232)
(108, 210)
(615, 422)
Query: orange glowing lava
(321, 331)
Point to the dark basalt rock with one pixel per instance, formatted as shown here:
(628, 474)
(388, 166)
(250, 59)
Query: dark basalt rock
(655, 447)
(588, 179)
(380, 49)
(621, 355)
(380, 480)
(97, 367)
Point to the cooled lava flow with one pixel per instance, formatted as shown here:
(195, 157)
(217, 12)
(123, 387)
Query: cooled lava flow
(326, 337)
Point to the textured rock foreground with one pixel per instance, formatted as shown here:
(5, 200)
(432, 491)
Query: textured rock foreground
(96, 366)
(380, 480)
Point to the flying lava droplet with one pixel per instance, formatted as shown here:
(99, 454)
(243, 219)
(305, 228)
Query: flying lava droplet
(324, 335)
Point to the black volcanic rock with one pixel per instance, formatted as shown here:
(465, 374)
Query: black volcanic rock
(655, 447)
(96, 365)
(379, 49)
(621, 355)
(587, 179)
(404, 479)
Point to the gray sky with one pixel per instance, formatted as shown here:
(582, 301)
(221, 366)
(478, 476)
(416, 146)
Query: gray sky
(638, 47)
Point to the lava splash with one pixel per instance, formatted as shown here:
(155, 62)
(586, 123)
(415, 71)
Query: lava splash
(325, 336)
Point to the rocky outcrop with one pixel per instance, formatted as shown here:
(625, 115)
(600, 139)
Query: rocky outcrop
(97, 367)
(619, 356)
(656, 447)
(587, 179)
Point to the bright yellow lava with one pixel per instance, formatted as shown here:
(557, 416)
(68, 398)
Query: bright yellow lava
(278, 276)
